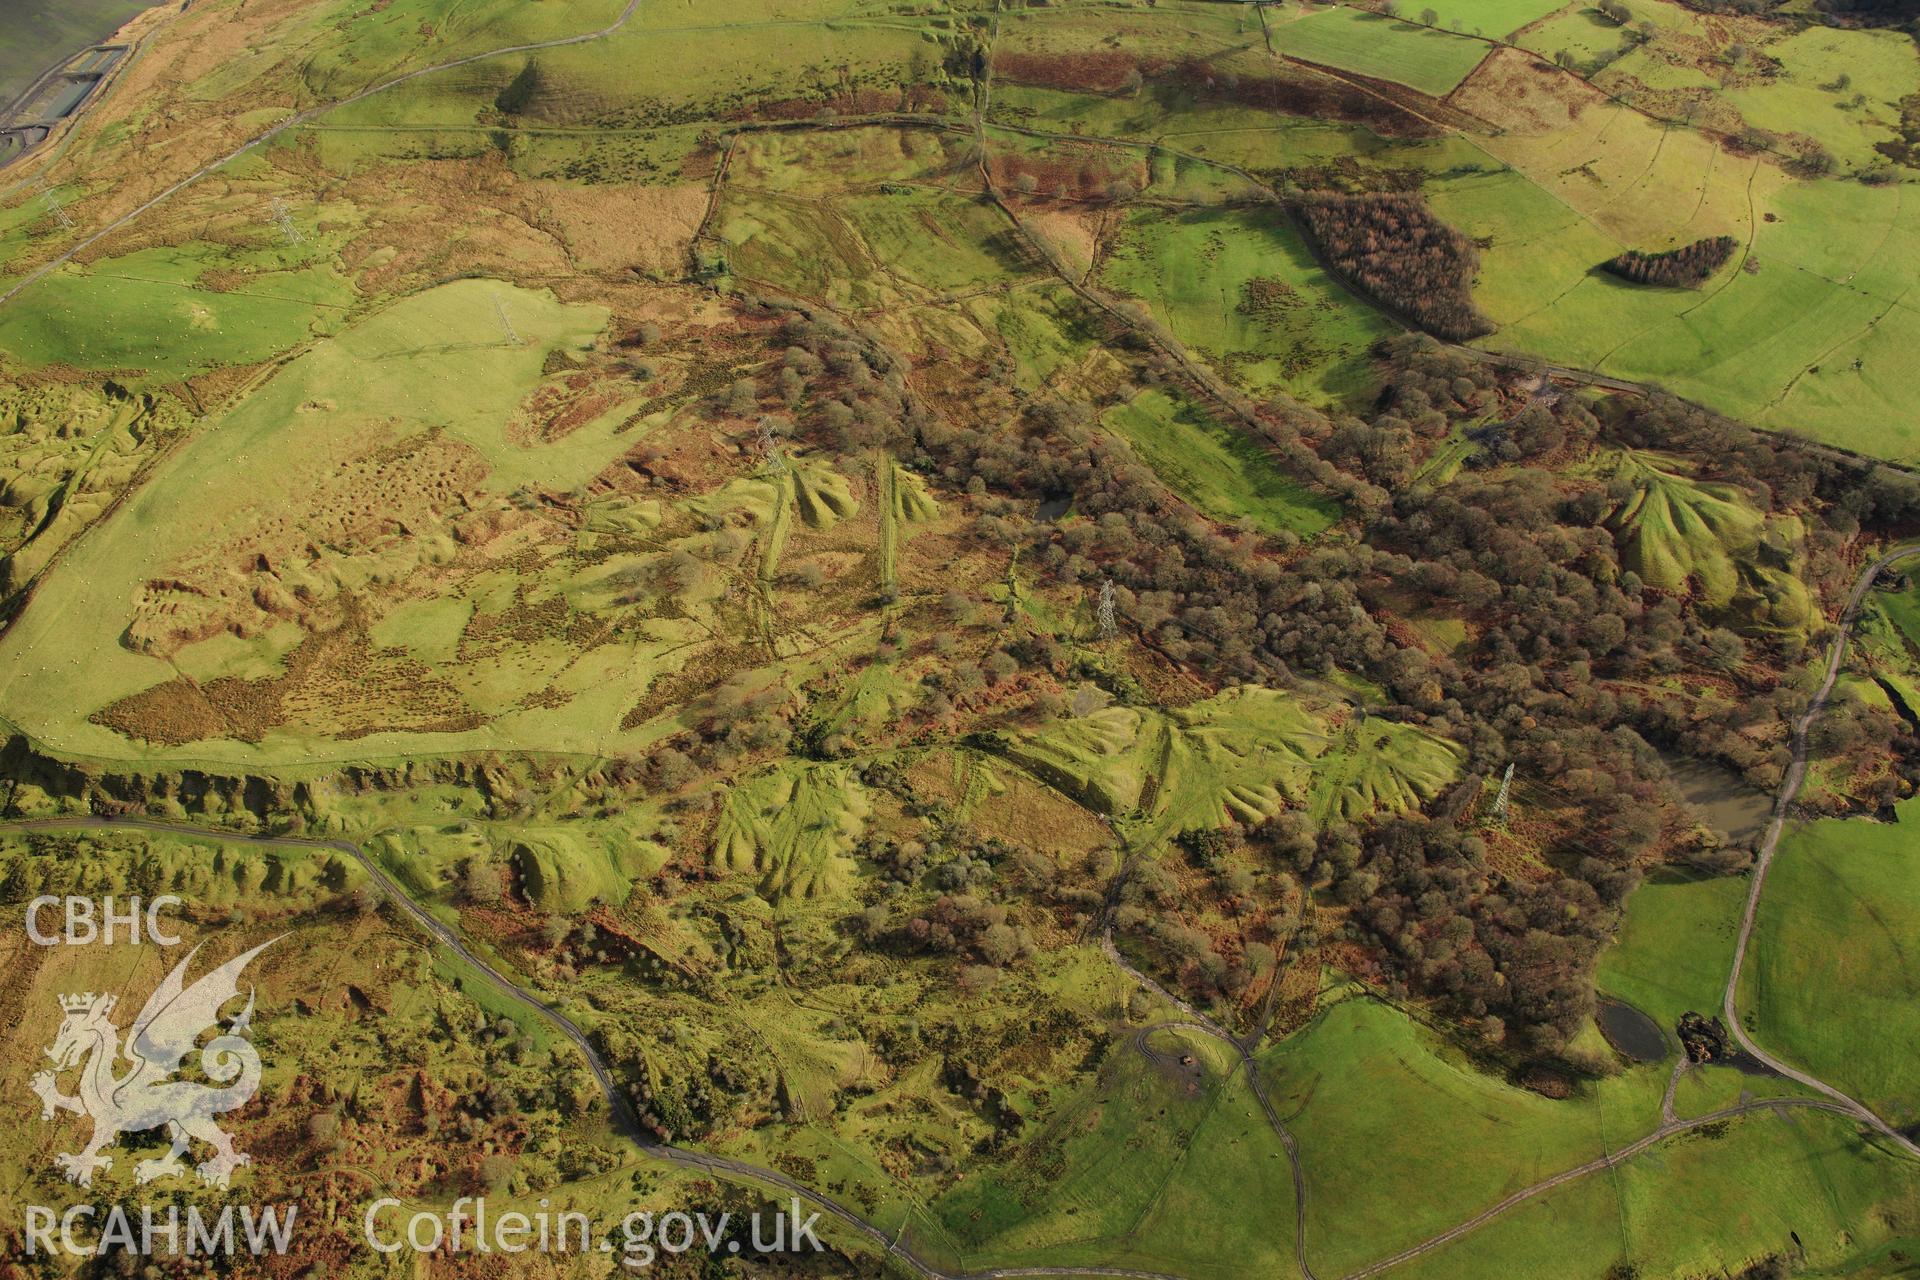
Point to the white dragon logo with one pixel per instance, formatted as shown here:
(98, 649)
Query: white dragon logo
(146, 1097)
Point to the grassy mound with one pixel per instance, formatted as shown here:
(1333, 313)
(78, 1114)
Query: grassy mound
(822, 495)
(794, 827)
(1687, 535)
(1379, 766)
(912, 503)
(560, 871)
(215, 875)
(1242, 756)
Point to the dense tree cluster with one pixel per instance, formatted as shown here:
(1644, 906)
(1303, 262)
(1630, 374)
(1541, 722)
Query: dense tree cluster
(1568, 673)
(1510, 956)
(1390, 245)
(1684, 267)
(1204, 596)
(1904, 148)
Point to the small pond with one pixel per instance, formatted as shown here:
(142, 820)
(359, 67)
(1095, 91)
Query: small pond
(1632, 1032)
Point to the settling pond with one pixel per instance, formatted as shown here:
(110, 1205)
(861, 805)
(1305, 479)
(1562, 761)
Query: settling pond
(1632, 1032)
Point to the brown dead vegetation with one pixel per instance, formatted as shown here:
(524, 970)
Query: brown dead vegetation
(1068, 172)
(1389, 109)
(1297, 90)
(1075, 232)
(335, 683)
(1082, 71)
(645, 228)
(1521, 93)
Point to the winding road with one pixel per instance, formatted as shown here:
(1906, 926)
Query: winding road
(1835, 1101)
(1782, 806)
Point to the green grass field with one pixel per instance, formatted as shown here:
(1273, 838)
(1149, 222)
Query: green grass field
(1389, 1110)
(1489, 18)
(1163, 30)
(1356, 40)
(1822, 74)
(800, 247)
(344, 47)
(1675, 947)
(1834, 979)
(1215, 467)
(1580, 30)
(1123, 1170)
(1796, 334)
(644, 75)
(867, 251)
(1802, 340)
(1708, 1203)
(855, 161)
(938, 243)
(1045, 330)
(151, 311)
(1241, 289)
(1837, 89)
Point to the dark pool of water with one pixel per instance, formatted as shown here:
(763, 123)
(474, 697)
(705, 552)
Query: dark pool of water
(1632, 1032)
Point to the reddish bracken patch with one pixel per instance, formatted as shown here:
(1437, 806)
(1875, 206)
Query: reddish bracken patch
(1092, 71)
(559, 409)
(1299, 94)
(1062, 174)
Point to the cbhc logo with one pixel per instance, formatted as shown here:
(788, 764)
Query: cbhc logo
(84, 924)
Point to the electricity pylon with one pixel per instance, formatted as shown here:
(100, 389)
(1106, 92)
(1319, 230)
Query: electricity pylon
(1500, 801)
(284, 220)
